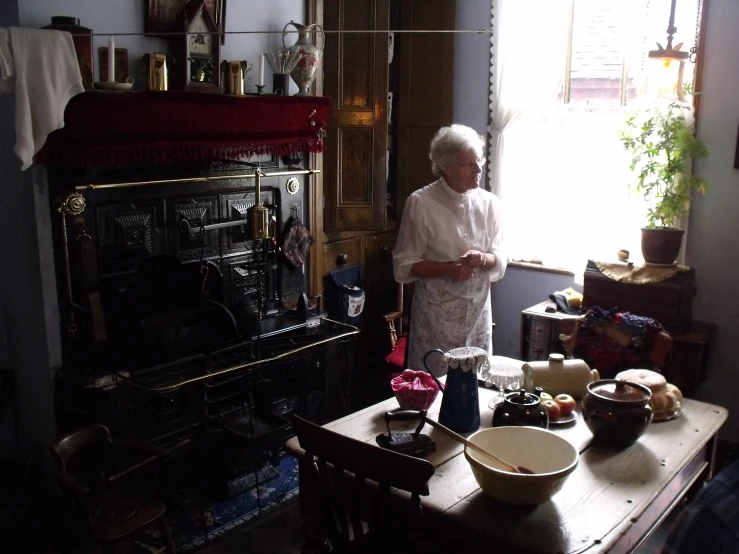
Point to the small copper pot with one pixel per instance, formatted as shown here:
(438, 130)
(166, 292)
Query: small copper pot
(617, 412)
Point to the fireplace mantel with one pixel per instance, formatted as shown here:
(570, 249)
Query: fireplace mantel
(112, 129)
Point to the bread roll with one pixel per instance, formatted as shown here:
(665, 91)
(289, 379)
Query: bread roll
(656, 382)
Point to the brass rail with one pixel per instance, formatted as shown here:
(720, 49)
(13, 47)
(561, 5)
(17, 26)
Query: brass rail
(239, 367)
(131, 184)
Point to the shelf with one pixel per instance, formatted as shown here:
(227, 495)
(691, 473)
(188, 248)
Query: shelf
(166, 127)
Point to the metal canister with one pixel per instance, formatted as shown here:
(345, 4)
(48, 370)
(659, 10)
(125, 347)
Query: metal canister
(155, 65)
(82, 39)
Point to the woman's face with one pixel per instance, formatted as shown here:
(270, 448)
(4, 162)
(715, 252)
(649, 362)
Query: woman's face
(464, 172)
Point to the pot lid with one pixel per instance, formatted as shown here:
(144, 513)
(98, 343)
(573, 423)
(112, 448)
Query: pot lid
(522, 398)
(620, 391)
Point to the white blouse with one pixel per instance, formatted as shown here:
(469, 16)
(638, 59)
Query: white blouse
(441, 225)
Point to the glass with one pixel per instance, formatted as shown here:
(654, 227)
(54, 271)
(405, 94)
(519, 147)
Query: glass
(479, 162)
(502, 376)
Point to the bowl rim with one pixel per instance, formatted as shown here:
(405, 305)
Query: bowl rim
(558, 473)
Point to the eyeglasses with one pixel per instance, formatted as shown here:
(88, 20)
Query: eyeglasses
(479, 162)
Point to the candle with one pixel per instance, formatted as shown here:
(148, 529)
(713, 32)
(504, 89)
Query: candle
(111, 59)
(260, 74)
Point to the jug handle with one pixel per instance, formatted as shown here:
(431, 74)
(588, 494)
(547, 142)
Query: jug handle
(323, 35)
(284, 32)
(435, 351)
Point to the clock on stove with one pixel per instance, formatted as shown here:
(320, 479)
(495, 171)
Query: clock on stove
(199, 51)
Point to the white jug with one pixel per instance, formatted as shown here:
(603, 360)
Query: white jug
(559, 376)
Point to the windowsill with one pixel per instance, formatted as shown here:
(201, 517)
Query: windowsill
(540, 267)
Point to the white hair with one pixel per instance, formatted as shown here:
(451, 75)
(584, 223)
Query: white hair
(450, 142)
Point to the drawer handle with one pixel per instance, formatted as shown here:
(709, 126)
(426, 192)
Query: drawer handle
(341, 259)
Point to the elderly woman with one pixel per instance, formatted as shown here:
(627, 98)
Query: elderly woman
(450, 244)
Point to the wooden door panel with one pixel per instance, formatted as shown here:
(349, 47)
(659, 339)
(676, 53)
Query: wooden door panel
(356, 72)
(356, 175)
(425, 88)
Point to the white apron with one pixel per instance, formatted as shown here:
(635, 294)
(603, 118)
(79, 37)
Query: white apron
(447, 315)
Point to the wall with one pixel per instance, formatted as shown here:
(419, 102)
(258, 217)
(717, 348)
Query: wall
(472, 67)
(25, 267)
(713, 239)
(127, 16)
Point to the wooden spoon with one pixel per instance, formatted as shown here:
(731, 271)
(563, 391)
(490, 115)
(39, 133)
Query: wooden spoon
(515, 469)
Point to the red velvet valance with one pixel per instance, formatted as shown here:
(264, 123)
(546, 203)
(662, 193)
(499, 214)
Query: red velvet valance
(103, 129)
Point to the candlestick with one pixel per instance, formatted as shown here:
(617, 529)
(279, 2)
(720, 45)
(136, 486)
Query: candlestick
(260, 73)
(259, 89)
(111, 59)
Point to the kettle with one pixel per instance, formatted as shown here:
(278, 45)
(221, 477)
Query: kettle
(460, 403)
(521, 408)
(234, 76)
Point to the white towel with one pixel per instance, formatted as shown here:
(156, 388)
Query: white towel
(7, 68)
(47, 75)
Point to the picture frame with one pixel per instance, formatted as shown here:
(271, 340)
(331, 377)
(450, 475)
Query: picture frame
(736, 152)
(162, 16)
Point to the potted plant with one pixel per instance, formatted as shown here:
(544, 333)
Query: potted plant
(662, 143)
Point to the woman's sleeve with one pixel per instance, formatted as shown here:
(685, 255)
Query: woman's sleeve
(412, 241)
(497, 247)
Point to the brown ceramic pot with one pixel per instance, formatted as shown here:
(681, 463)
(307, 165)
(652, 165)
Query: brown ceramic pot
(617, 412)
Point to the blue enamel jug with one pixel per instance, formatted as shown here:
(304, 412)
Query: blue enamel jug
(460, 403)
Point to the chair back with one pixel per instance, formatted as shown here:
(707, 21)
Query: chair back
(68, 445)
(355, 483)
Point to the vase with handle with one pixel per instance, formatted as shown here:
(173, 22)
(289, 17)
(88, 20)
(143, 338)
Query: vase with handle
(460, 403)
(305, 71)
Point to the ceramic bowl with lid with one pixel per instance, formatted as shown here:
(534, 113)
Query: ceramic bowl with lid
(617, 412)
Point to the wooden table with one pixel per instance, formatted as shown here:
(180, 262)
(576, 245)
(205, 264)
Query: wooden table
(610, 503)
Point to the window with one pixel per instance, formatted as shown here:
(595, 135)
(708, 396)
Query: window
(565, 74)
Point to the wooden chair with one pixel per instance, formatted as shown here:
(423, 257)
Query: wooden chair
(351, 501)
(96, 475)
(396, 321)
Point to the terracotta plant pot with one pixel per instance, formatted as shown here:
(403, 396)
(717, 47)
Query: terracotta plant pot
(661, 246)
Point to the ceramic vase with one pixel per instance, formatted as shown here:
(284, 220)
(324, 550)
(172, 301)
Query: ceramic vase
(305, 71)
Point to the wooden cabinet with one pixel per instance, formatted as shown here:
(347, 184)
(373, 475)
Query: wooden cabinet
(355, 77)
(540, 331)
(425, 96)
(686, 365)
(367, 154)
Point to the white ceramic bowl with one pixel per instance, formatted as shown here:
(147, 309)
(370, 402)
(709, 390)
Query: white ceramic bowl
(548, 455)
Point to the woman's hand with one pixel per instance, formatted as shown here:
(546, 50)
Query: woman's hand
(461, 272)
(473, 258)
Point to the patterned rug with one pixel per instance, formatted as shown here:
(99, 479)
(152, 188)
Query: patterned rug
(197, 523)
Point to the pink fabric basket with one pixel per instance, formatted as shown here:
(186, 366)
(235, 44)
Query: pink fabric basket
(414, 390)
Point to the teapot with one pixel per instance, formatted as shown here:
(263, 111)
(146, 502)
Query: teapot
(521, 408)
(304, 72)
(234, 76)
(460, 403)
